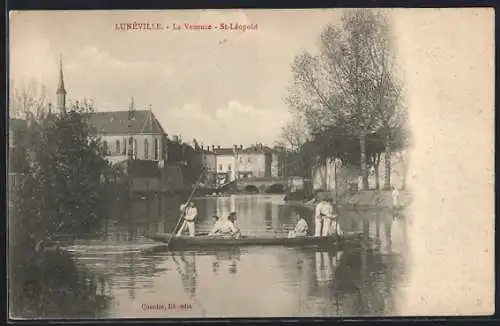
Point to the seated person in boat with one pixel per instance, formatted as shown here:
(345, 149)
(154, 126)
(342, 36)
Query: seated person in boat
(300, 230)
(227, 227)
(217, 229)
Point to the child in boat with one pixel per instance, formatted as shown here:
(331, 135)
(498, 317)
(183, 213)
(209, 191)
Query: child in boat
(217, 229)
(300, 230)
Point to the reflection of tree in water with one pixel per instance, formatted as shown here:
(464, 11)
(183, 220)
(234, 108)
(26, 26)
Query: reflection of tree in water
(360, 281)
(368, 277)
(54, 286)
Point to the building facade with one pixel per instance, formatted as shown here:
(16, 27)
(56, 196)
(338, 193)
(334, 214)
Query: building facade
(140, 136)
(232, 163)
(225, 160)
(209, 162)
(135, 134)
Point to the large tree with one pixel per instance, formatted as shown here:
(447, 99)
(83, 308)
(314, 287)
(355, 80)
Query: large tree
(349, 83)
(61, 191)
(27, 100)
(63, 188)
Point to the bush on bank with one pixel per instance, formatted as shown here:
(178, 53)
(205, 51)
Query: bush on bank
(62, 191)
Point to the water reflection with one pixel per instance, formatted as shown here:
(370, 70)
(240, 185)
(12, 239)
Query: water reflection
(262, 281)
(226, 260)
(186, 268)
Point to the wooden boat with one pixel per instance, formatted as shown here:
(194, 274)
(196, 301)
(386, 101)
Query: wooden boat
(182, 242)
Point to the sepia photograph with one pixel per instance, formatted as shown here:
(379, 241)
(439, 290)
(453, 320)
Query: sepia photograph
(250, 163)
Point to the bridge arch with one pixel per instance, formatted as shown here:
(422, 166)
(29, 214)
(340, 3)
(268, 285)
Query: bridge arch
(251, 189)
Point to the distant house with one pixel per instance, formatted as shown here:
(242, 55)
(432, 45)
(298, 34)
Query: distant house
(236, 162)
(256, 161)
(225, 160)
(209, 162)
(141, 136)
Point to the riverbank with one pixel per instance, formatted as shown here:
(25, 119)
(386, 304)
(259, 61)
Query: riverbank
(49, 284)
(375, 199)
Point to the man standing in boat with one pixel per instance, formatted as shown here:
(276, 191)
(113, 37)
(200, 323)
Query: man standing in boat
(190, 213)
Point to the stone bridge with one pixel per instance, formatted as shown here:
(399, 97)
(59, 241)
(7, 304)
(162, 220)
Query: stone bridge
(262, 185)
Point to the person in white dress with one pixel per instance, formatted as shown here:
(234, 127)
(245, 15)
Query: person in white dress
(322, 217)
(325, 219)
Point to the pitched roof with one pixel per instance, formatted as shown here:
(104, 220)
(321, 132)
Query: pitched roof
(223, 151)
(259, 149)
(117, 122)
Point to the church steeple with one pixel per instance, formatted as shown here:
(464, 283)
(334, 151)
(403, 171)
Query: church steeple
(61, 92)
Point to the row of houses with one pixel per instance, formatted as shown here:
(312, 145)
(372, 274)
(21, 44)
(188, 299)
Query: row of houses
(228, 164)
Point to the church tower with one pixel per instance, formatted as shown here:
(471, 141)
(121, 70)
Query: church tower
(61, 92)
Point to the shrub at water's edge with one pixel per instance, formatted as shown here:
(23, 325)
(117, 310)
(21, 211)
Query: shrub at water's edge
(62, 191)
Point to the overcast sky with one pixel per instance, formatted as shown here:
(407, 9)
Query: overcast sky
(220, 87)
(228, 87)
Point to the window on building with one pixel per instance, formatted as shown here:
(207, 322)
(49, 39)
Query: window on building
(249, 160)
(241, 159)
(118, 147)
(135, 147)
(146, 149)
(124, 152)
(229, 167)
(157, 149)
(220, 167)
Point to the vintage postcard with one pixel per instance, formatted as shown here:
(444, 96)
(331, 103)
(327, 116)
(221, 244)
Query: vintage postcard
(251, 163)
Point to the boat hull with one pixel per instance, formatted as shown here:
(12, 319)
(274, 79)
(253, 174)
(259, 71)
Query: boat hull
(214, 241)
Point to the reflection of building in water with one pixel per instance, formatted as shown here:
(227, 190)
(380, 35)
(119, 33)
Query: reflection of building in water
(326, 262)
(229, 257)
(131, 276)
(210, 208)
(387, 233)
(225, 205)
(268, 216)
(275, 213)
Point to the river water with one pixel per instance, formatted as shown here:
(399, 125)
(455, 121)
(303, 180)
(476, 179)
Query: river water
(147, 282)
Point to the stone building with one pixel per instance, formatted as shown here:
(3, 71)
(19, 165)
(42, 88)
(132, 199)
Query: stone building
(141, 135)
(236, 162)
